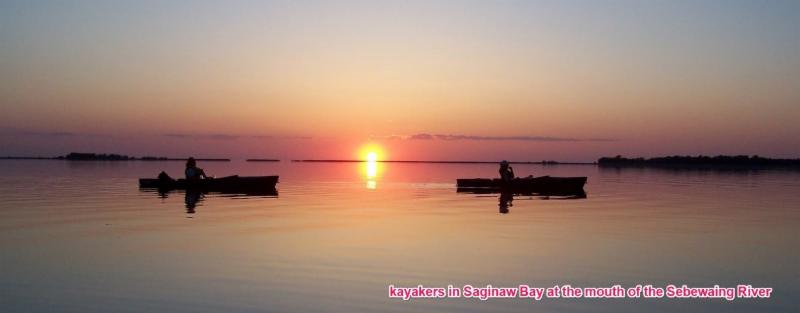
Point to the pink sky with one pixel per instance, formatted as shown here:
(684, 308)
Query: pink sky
(487, 81)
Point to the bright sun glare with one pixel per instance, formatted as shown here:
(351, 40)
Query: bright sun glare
(370, 153)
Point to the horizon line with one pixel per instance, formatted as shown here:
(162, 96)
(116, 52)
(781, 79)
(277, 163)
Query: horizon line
(548, 162)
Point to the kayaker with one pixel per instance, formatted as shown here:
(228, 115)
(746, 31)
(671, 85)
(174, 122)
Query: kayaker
(506, 172)
(164, 177)
(192, 171)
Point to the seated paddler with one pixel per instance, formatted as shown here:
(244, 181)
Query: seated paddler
(192, 171)
(506, 171)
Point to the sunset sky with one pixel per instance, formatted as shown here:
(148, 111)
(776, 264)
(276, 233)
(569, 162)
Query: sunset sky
(482, 80)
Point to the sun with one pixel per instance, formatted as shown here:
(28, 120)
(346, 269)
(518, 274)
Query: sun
(370, 153)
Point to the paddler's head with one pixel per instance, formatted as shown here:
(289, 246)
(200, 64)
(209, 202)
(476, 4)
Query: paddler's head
(191, 162)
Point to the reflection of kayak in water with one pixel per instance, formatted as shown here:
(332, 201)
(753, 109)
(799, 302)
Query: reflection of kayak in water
(540, 185)
(223, 184)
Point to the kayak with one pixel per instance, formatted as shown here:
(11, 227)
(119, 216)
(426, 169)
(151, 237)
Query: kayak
(541, 185)
(223, 184)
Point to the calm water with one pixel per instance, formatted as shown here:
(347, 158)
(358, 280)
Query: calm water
(81, 237)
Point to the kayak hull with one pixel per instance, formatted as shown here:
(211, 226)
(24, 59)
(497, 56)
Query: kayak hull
(546, 185)
(223, 184)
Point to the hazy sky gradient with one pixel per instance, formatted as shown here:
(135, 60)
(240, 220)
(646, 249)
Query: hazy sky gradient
(261, 78)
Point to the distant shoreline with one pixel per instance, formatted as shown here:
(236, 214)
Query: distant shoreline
(700, 162)
(125, 160)
(443, 162)
(79, 156)
(262, 160)
(721, 162)
(151, 159)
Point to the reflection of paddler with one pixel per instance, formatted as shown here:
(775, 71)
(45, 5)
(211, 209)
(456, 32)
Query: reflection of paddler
(192, 198)
(506, 200)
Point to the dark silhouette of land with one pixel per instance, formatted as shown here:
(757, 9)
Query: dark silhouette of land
(83, 156)
(26, 158)
(80, 156)
(715, 162)
(672, 162)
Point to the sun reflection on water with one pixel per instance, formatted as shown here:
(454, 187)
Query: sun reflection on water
(371, 170)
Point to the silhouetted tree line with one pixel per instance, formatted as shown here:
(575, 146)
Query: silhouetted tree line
(77, 156)
(80, 156)
(739, 161)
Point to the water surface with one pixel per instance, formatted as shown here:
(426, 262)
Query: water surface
(81, 237)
